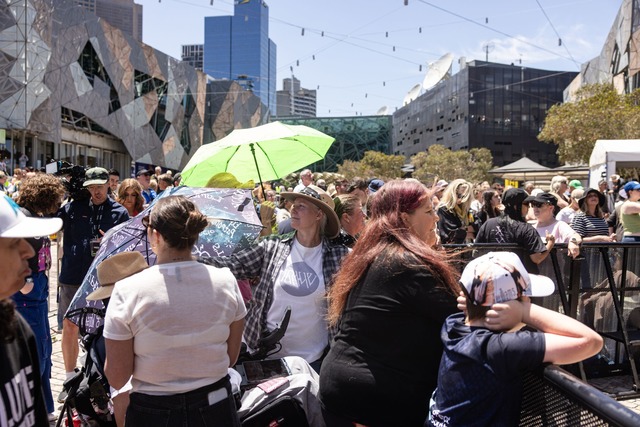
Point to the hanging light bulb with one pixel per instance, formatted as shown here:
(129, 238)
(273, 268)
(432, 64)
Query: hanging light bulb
(386, 34)
(420, 30)
(394, 48)
(420, 67)
(297, 62)
(303, 31)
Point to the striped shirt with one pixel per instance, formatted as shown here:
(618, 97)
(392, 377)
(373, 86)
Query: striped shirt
(587, 225)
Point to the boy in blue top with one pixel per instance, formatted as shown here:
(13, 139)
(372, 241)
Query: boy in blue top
(480, 377)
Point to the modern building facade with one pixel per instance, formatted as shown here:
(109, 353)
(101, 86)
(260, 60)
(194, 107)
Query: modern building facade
(193, 55)
(354, 136)
(619, 60)
(238, 47)
(495, 106)
(83, 91)
(295, 101)
(122, 14)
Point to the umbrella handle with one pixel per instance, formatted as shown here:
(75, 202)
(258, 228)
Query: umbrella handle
(253, 152)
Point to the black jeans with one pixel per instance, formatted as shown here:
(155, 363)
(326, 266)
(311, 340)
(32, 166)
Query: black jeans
(191, 409)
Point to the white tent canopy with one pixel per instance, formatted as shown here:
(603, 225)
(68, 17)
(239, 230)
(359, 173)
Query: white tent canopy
(610, 154)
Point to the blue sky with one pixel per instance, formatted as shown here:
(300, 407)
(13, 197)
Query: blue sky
(371, 51)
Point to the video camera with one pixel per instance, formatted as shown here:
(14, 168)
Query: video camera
(73, 176)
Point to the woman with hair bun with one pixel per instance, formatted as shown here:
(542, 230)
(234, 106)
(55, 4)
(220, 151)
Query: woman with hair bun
(389, 301)
(177, 307)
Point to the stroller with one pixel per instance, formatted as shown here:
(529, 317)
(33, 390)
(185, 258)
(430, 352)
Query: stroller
(88, 396)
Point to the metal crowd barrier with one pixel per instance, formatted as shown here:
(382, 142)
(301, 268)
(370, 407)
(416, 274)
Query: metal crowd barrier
(601, 288)
(554, 397)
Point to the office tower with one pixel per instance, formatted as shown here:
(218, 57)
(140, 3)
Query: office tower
(294, 101)
(238, 48)
(192, 54)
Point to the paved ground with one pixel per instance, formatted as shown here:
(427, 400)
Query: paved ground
(613, 385)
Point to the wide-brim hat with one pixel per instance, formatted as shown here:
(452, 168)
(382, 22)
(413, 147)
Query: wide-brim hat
(96, 176)
(15, 224)
(321, 199)
(115, 268)
(601, 199)
(508, 277)
(228, 180)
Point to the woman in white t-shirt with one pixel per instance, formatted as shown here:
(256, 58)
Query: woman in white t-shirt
(175, 327)
(548, 227)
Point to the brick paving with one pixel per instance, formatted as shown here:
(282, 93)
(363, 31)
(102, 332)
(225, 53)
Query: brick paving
(611, 384)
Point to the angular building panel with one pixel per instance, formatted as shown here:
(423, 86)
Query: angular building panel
(95, 95)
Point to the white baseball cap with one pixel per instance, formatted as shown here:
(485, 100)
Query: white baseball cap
(13, 223)
(499, 277)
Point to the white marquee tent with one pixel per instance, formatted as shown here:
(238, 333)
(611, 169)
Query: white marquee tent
(610, 154)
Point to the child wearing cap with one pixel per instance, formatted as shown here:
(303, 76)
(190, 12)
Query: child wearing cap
(480, 377)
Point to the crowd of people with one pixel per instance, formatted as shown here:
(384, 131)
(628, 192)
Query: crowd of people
(365, 266)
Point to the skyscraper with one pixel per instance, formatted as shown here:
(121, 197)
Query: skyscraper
(295, 101)
(192, 55)
(239, 45)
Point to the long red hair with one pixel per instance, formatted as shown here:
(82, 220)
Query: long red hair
(387, 232)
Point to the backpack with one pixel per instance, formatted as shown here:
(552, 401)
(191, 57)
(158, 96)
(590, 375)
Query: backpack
(88, 391)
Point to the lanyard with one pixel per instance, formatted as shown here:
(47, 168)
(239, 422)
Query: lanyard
(96, 218)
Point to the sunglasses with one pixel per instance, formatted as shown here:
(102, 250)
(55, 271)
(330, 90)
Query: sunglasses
(311, 193)
(538, 204)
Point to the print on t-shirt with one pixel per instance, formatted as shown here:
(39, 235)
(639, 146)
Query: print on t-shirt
(16, 399)
(300, 280)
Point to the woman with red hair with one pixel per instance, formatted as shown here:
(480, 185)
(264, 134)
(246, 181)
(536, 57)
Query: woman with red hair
(389, 301)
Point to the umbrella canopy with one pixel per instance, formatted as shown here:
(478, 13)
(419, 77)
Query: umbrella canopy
(234, 225)
(265, 152)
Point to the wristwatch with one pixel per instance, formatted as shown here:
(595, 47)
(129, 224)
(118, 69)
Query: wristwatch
(574, 240)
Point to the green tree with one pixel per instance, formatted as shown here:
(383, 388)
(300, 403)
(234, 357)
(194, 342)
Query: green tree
(373, 165)
(439, 161)
(598, 112)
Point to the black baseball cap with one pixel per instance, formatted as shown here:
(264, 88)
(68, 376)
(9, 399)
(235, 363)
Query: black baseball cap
(547, 198)
(143, 172)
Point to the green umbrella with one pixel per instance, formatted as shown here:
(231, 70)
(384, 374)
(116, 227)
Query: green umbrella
(266, 152)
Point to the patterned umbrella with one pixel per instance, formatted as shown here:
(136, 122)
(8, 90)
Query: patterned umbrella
(234, 225)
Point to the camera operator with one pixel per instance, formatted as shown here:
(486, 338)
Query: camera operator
(85, 222)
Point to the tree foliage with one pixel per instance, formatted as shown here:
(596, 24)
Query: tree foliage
(599, 112)
(439, 161)
(373, 165)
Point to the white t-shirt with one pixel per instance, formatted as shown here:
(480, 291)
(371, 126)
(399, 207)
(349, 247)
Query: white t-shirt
(559, 229)
(300, 284)
(178, 315)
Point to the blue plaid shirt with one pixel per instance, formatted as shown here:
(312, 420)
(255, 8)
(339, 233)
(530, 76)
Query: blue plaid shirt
(264, 260)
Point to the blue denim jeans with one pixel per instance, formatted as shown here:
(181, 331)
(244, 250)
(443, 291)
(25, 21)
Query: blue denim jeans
(191, 409)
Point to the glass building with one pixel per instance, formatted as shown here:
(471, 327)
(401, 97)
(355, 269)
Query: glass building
(485, 105)
(354, 136)
(238, 48)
